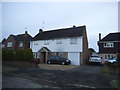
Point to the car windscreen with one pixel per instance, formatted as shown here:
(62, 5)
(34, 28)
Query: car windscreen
(95, 56)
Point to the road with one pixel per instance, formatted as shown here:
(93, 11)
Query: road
(85, 76)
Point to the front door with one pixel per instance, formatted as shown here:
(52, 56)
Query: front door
(43, 57)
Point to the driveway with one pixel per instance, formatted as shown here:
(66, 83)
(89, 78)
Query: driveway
(84, 76)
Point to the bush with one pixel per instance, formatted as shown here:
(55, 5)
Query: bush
(3, 54)
(28, 55)
(9, 55)
(19, 55)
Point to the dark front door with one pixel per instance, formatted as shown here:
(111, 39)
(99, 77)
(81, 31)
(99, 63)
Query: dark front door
(43, 57)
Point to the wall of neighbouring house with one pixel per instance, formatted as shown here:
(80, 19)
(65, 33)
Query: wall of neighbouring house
(85, 48)
(11, 39)
(102, 55)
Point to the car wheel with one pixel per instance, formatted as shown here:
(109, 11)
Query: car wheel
(49, 62)
(63, 63)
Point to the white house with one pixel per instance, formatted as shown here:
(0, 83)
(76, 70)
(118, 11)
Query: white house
(69, 43)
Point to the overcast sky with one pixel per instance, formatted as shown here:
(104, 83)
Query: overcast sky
(99, 17)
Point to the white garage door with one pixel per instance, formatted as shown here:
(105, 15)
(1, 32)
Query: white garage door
(75, 58)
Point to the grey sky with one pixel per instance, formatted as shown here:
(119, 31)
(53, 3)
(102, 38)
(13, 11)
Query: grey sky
(99, 17)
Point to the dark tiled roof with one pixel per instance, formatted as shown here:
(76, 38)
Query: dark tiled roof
(3, 41)
(24, 37)
(21, 37)
(60, 33)
(112, 37)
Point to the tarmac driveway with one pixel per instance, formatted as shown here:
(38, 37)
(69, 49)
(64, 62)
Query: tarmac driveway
(85, 76)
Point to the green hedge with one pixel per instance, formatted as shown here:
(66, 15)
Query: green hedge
(28, 54)
(18, 55)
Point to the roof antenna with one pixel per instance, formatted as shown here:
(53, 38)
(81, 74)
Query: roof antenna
(25, 29)
(43, 25)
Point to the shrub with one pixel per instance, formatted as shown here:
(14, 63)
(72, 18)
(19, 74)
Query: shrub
(19, 55)
(3, 54)
(28, 55)
(114, 83)
(9, 55)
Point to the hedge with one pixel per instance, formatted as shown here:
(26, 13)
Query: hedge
(28, 54)
(18, 55)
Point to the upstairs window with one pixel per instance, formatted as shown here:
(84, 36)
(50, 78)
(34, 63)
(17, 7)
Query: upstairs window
(73, 40)
(58, 41)
(109, 44)
(35, 43)
(9, 44)
(46, 42)
(21, 44)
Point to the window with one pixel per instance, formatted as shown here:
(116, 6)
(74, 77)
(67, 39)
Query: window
(9, 44)
(58, 41)
(35, 54)
(73, 40)
(46, 42)
(35, 43)
(109, 56)
(105, 56)
(21, 44)
(109, 44)
(59, 54)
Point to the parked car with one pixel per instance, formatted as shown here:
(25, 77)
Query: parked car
(95, 59)
(111, 61)
(58, 60)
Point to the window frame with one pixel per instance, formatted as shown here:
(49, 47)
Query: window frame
(58, 41)
(74, 40)
(108, 44)
(46, 42)
(9, 44)
(20, 44)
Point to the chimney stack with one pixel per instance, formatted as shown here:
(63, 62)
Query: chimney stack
(74, 26)
(26, 32)
(99, 36)
(40, 30)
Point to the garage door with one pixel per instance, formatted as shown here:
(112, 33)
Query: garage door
(75, 58)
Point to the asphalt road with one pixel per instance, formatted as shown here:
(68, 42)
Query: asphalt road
(16, 82)
(85, 76)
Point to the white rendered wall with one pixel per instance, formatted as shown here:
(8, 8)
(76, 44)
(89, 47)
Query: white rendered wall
(53, 47)
(74, 57)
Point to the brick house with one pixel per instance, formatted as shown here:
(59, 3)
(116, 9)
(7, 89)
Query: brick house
(70, 43)
(109, 46)
(14, 42)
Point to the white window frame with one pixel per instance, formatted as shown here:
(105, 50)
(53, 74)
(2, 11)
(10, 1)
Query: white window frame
(9, 44)
(35, 43)
(73, 40)
(46, 42)
(21, 44)
(36, 54)
(108, 44)
(58, 41)
(108, 56)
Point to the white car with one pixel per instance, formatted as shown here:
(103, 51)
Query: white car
(112, 60)
(95, 59)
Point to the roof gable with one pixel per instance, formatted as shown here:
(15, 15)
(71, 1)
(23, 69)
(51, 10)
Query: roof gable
(21, 37)
(60, 33)
(112, 37)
